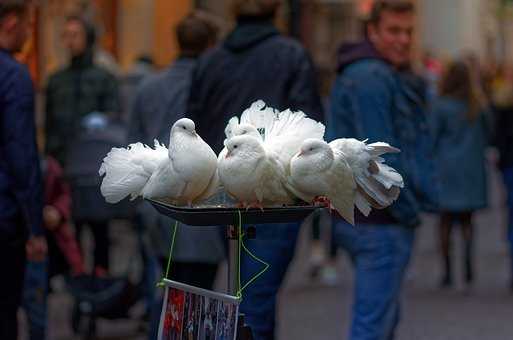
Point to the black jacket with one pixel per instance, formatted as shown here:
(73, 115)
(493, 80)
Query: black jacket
(254, 62)
(71, 94)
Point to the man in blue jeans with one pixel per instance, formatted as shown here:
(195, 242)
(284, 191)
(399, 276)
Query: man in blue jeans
(376, 96)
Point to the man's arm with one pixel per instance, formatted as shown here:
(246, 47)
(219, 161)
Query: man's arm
(19, 148)
(372, 99)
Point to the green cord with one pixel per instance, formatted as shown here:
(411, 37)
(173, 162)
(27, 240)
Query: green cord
(243, 246)
(161, 283)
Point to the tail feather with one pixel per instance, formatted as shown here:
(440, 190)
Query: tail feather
(126, 171)
(380, 148)
(362, 204)
(380, 184)
(345, 208)
(259, 116)
(290, 131)
(232, 123)
(388, 176)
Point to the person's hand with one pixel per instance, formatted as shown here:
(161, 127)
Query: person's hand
(36, 248)
(52, 217)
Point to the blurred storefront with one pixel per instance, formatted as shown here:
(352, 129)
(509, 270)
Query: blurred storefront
(130, 28)
(127, 29)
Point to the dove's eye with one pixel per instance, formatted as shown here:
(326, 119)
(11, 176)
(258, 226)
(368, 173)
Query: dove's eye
(235, 146)
(183, 127)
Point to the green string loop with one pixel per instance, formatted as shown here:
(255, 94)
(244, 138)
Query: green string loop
(243, 246)
(161, 283)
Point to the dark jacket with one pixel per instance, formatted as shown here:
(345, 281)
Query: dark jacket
(254, 62)
(372, 100)
(72, 93)
(21, 199)
(160, 101)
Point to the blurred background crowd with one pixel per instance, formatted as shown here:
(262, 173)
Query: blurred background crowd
(109, 72)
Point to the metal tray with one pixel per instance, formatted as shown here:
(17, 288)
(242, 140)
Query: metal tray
(208, 216)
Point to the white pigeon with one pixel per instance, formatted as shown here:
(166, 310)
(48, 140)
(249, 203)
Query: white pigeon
(280, 135)
(346, 171)
(253, 175)
(184, 173)
(280, 132)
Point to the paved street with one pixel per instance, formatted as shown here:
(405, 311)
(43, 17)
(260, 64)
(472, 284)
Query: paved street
(312, 310)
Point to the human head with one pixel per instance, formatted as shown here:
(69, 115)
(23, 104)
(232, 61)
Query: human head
(457, 82)
(390, 30)
(195, 33)
(255, 8)
(78, 35)
(16, 18)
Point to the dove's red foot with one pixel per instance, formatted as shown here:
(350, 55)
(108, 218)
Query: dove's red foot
(322, 200)
(255, 205)
(241, 205)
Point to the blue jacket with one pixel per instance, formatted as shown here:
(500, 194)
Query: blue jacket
(371, 100)
(21, 199)
(459, 146)
(254, 62)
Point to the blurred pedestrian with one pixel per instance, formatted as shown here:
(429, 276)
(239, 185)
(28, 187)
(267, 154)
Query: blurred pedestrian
(64, 255)
(255, 62)
(460, 127)
(73, 93)
(377, 97)
(159, 102)
(323, 251)
(503, 109)
(21, 199)
(142, 68)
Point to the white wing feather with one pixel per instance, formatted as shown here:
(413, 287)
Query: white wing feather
(288, 133)
(378, 184)
(127, 170)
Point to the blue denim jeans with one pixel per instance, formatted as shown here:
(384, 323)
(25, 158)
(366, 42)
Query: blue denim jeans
(380, 255)
(508, 182)
(35, 294)
(274, 244)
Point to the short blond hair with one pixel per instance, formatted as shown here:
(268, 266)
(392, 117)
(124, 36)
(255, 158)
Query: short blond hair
(255, 7)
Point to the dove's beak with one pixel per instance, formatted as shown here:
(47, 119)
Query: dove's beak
(299, 154)
(194, 133)
(228, 154)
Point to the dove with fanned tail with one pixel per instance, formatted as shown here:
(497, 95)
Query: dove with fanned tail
(348, 173)
(183, 173)
(254, 164)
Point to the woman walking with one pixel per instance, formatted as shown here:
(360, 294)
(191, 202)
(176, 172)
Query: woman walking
(460, 128)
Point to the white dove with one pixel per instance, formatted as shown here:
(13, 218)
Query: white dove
(280, 132)
(280, 135)
(253, 175)
(346, 171)
(183, 173)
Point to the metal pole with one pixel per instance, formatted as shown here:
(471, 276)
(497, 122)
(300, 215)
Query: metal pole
(233, 259)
